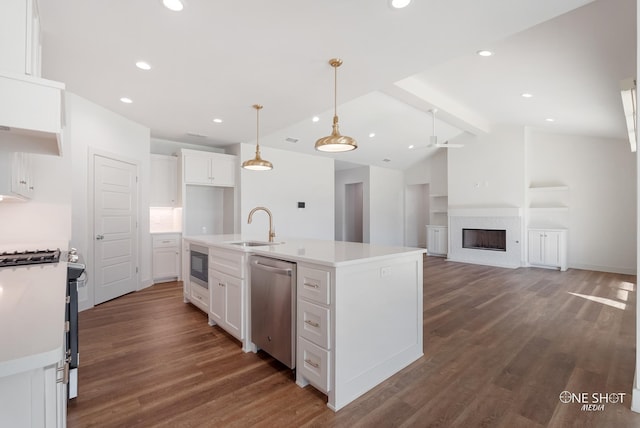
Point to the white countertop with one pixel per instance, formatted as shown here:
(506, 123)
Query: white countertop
(328, 253)
(32, 308)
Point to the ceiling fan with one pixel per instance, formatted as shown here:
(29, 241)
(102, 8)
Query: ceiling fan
(433, 140)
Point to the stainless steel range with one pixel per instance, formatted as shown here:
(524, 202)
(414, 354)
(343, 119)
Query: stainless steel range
(75, 270)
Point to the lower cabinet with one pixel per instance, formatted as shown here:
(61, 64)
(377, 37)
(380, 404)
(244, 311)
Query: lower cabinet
(228, 287)
(35, 398)
(313, 358)
(548, 247)
(226, 308)
(437, 240)
(166, 257)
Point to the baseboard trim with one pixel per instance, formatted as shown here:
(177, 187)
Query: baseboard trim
(610, 269)
(483, 263)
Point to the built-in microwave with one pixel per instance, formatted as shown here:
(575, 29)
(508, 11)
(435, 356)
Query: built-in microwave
(199, 265)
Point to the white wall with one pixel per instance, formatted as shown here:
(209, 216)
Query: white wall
(601, 175)
(93, 127)
(386, 210)
(351, 176)
(489, 170)
(172, 148)
(295, 177)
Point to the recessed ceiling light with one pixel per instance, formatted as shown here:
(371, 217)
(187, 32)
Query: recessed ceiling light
(174, 5)
(550, 119)
(142, 65)
(126, 100)
(371, 135)
(315, 119)
(399, 4)
(217, 120)
(484, 53)
(411, 147)
(526, 95)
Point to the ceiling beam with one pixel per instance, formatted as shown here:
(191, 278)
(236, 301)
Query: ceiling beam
(420, 95)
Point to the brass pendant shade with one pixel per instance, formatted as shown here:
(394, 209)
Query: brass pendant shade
(257, 163)
(336, 142)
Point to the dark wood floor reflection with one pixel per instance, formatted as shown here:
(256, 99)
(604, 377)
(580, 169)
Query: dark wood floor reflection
(500, 346)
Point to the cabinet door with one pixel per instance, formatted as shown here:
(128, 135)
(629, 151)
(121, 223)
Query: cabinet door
(197, 169)
(552, 248)
(217, 291)
(223, 171)
(536, 247)
(164, 181)
(431, 240)
(234, 309)
(442, 240)
(166, 262)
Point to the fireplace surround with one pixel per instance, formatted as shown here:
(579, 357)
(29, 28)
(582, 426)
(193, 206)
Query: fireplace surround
(485, 226)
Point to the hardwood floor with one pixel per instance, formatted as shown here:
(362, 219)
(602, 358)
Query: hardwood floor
(500, 345)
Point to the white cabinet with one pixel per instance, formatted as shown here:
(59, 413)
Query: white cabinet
(209, 169)
(227, 306)
(164, 181)
(548, 247)
(16, 176)
(166, 257)
(437, 240)
(34, 398)
(20, 39)
(314, 327)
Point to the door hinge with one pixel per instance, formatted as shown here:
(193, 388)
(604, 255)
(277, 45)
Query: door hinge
(136, 269)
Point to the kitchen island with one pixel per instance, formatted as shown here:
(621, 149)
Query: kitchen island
(359, 306)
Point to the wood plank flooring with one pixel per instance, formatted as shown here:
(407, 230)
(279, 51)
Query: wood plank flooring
(500, 346)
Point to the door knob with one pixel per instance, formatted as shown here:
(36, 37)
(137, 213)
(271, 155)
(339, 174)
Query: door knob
(99, 237)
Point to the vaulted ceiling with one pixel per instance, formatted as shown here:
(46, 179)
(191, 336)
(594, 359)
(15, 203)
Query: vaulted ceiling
(215, 59)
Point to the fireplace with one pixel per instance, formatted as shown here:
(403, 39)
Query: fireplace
(484, 239)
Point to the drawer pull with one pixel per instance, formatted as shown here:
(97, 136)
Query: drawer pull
(221, 284)
(166, 242)
(308, 284)
(312, 324)
(312, 364)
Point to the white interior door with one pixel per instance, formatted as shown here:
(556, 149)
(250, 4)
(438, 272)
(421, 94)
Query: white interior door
(115, 228)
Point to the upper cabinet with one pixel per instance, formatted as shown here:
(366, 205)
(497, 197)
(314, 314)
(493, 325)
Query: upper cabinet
(209, 169)
(20, 41)
(16, 176)
(31, 114)
(164, 181)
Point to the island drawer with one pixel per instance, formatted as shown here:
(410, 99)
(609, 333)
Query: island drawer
(229, 262)
(200, 297)
(313, 364)
(314, 323)
(314, 284)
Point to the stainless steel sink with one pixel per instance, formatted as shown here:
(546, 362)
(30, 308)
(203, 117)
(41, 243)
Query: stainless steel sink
(253, 243)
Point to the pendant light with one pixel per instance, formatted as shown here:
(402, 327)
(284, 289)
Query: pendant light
(336, 142)
(257, 163)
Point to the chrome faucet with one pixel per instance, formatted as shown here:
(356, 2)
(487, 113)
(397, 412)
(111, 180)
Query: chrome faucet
(272, 233)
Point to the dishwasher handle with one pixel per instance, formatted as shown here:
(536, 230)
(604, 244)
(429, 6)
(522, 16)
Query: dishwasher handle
(281, 271)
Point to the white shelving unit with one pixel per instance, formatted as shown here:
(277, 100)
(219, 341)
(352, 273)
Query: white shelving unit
(438, 209)
(548, 221)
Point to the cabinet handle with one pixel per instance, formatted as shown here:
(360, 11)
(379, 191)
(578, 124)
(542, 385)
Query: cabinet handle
(308, 284)
(23, 182)
(312, 324)
(30, 187)
(65, 372)
(166, 242)
(311, 363)
(221, 284)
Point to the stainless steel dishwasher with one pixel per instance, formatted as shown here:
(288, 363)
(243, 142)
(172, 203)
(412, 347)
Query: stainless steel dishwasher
(273, 308)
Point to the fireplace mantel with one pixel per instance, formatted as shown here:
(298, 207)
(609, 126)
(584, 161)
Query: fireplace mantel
(486, 212)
